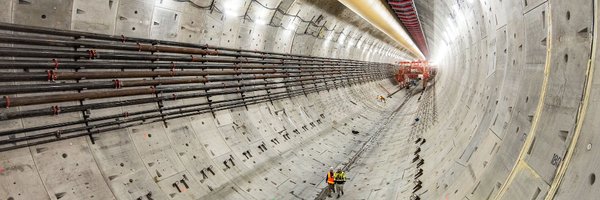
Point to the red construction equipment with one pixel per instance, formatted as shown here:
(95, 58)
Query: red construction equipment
(409, 72)
(406, 12)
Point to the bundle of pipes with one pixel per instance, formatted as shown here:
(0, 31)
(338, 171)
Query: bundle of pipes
(46, 66)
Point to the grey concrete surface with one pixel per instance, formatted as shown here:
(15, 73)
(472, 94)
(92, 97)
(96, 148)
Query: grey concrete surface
(513, 113)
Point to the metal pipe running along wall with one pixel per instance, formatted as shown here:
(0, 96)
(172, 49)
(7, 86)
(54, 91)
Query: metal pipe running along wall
(53, 68)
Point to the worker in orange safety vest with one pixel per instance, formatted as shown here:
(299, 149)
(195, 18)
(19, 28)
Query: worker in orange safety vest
(330, 181)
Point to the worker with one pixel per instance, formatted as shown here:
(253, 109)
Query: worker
(381, 98)
(330, 181)
(340, 179)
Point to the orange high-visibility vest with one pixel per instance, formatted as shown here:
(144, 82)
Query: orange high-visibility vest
(330, 178)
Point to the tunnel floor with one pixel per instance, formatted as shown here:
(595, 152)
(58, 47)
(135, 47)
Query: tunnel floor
(385, 168)
(378, 160)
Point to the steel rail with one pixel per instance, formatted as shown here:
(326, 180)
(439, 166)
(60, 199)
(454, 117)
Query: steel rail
(142, 121)
(95, 64)
(127, 114)
(117, 84)
(128, 119)
(92, 54)
(56, 42)
(63, 134)
(67, 109)
(146, 71)
(55, 98)
(87, 35)
(52, 75)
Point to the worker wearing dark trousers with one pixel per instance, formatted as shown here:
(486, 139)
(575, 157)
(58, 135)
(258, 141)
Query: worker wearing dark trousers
(340, 179)
(330, 181)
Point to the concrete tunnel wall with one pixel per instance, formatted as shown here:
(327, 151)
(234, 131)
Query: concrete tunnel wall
(514, 80)
(218, 157)
(507, 111)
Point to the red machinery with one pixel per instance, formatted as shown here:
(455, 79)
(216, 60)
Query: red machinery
(410, 72)
(406, 11)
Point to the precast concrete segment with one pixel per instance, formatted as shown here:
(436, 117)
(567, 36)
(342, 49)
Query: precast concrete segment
(563, 185)
(504, 138)
(217, 93)
(269, 150)
(520, 166)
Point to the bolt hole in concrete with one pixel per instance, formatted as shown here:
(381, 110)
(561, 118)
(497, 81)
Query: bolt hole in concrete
(43, 16)
(64, 155)
(592, 178)
(566, 58)
(568, 15)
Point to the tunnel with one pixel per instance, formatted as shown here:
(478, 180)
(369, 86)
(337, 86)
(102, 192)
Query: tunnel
(260, 99)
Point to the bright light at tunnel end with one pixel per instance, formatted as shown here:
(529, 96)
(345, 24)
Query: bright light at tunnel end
(440, 55)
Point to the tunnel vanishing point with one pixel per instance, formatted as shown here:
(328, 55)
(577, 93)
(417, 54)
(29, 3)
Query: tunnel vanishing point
(258, 99)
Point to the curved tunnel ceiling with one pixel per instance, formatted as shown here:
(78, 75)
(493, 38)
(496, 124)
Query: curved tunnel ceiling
(406, 12)
(258, 99)
(375, 12)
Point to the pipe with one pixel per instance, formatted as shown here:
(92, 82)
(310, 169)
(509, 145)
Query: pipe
(79, 34)
(33, 100)
(169, 71)
(74, 97)
(114, 84)
(139, 47)
(127, 114)
(379, 16)
(52, 75)
(96, 64)
(60, 135)
(91, 54)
